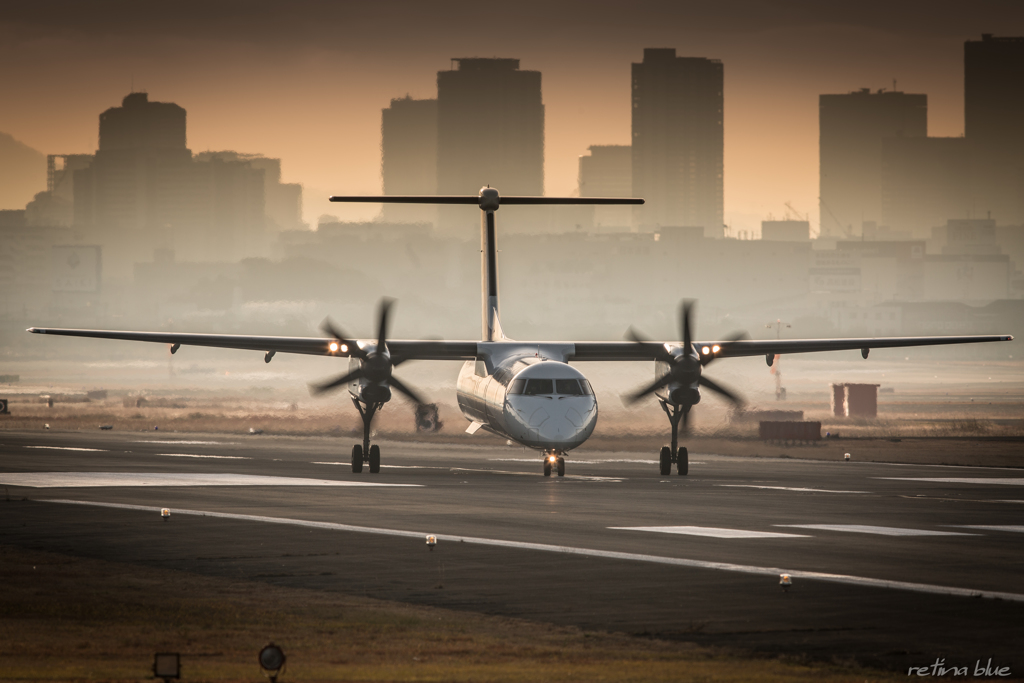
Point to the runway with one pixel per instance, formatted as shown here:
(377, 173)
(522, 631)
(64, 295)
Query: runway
(892, 565)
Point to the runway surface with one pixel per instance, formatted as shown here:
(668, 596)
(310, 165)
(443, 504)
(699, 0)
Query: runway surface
(891, 565)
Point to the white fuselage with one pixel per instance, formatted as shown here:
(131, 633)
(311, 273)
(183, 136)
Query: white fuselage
(536, 400)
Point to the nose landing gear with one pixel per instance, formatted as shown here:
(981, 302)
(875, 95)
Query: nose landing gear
(554, 460)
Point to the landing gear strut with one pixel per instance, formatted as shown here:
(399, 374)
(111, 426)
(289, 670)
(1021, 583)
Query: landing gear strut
(674, 454)
(366, 453)
(556, 461)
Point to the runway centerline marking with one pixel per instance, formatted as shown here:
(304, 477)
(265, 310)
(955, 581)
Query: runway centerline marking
(191, 455)
(709, 531)
(69, 448)
(877, 530)
(190, 443)
(786, 488)
(1000, 481)
(773, 572)
(143, 479)
(1015, 528)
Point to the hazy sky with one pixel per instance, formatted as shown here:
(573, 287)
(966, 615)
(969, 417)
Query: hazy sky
(306, 81)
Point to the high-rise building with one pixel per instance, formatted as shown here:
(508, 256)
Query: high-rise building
(925, 182)
(143, 191)
(993, 116)
(490, 131)
(851, 128)
(409, 157)
(678, 140)
(606, 172)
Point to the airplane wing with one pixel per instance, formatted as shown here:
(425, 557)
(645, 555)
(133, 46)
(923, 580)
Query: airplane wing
(400, 349)
(745, 347)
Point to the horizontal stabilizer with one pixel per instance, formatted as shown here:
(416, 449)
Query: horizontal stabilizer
(475, 199)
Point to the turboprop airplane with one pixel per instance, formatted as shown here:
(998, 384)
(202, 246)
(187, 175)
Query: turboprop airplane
(523, 391)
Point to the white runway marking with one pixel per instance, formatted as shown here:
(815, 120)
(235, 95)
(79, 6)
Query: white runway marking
(1002, 481)
(576, 477)
(879, 530)
(772, 572)
(68, 448)
(992, 527)
(585, 462)
(709, 531)
(135, 479)
(190, 455)
(785, 488)
(192, 443)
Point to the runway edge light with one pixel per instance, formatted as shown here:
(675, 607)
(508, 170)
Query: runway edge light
(431, 541)
(785, 581)
(165, 513)
(846, 456)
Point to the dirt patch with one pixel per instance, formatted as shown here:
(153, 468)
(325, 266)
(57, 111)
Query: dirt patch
(66, 617)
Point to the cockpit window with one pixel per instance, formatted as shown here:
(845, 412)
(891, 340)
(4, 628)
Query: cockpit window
(587, 389)
(538, 387)
(568, 387)
(518, 386)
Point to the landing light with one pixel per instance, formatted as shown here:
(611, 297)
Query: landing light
(552, 458)
(716, 348)
(344, 348)
(333, 347)
(705, 350)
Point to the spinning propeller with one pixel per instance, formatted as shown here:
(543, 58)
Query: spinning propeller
(685, 369)
(375, 366)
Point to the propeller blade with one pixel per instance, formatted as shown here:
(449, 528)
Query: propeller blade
(659, 349)
(343, 379)
(650, 389)
(330, 328)
(382, 328)
(718, 388)
(684, 314)
(397, 384)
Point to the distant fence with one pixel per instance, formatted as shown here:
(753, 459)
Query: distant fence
(790, 432)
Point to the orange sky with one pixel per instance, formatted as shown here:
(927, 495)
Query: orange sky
(306, 81)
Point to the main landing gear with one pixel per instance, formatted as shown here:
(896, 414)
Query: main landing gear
(674, 454)
(554, 460)
(365, 453)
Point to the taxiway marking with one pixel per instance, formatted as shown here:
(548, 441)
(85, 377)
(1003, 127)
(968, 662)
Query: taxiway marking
(1002, 481)
(785, 488)
(709, 531)
(138, 479)
(69, 448)
(773, 572)
(878, 530)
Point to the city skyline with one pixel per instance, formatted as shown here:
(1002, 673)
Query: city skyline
(286, 89)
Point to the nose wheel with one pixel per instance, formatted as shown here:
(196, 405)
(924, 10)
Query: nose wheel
(554, 462)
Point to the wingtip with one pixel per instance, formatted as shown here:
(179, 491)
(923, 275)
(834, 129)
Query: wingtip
(35, 330)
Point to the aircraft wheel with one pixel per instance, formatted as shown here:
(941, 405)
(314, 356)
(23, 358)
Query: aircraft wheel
(561, 467)
(374, 459)
(357, 458)
(547, 468)
(683, 462)
(666, 461)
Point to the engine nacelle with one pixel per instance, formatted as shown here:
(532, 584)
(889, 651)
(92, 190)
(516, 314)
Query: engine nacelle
(375, 393)
(684, 396)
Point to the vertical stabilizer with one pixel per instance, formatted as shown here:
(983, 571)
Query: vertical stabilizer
(489, 278)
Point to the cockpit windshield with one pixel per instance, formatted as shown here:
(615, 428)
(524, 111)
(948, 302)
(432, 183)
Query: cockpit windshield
(548, 387)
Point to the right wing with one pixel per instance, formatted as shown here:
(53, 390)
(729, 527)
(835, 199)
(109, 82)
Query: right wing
(404, 349)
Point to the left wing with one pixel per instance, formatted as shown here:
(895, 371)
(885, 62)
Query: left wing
(400, 349)
(746, 347)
